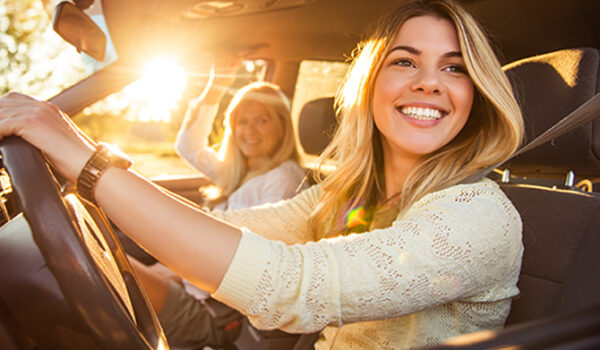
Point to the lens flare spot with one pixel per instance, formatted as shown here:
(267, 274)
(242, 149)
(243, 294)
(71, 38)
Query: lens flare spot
(356, 217)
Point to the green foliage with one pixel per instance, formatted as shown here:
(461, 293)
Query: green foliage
(33, 59)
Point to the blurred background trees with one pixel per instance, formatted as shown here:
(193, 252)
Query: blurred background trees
(30, 51)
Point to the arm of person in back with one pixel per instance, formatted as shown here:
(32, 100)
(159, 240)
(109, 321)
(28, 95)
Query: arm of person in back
(191, 142)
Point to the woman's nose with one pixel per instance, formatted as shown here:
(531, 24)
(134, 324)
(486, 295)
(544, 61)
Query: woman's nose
(249, 127)
(428, 81)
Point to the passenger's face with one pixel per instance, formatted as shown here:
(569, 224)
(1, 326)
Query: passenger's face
(422, 95)
(256, 133)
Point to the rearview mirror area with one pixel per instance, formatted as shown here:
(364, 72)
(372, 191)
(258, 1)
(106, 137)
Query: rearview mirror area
(78, 29)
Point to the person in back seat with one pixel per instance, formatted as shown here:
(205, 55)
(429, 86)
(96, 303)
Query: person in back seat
(257, 161)
(399, 247)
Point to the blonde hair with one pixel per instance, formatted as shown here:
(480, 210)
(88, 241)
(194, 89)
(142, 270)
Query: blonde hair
(235, 171)
(494, 129)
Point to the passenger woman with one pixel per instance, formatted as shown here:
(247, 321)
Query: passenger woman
(257, 161)
(402, 246)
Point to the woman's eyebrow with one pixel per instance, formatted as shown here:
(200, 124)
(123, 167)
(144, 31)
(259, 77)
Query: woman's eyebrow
(415, 51)
(453, 54)
(410, 49)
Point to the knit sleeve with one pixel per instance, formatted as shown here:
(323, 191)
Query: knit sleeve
(191, 142)
(461, 243)
(285, 220)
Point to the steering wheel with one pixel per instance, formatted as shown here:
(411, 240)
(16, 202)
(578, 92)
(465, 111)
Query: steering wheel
(86, 263)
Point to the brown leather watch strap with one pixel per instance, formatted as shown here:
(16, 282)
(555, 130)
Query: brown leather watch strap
(104, 157)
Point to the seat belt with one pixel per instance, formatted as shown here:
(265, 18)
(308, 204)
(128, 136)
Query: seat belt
(585, 113)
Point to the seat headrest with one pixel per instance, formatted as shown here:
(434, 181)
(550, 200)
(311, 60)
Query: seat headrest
(549, 87)
(316, 125)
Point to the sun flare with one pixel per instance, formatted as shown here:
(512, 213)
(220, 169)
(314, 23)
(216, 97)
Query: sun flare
(161, 86)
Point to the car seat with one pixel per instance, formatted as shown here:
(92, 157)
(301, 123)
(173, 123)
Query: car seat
(316, 124)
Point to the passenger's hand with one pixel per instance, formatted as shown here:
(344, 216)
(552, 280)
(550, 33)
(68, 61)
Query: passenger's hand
(46, 127)
(219, 82)
(225, 74)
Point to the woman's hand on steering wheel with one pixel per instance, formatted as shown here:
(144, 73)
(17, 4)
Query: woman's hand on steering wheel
(46, 127)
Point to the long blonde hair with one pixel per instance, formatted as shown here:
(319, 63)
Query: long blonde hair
(235, 171)
(492, 133)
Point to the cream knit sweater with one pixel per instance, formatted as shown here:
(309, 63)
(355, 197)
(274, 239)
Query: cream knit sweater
(448, 265)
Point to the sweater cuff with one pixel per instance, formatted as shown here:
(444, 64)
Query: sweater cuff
(237, 289)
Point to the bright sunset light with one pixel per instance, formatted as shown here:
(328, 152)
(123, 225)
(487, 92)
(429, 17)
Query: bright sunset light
(157, 92)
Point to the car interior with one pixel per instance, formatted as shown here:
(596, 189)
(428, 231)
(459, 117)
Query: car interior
(59, 291)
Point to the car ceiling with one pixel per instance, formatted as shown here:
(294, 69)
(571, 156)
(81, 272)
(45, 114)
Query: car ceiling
(329, 29)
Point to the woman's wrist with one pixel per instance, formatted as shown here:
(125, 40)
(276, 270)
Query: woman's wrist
(104, 157)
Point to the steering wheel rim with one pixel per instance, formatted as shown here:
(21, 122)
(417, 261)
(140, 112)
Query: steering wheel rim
(58, 226)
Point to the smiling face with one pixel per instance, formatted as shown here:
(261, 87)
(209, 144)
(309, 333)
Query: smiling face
(422, 95)
(255, 131)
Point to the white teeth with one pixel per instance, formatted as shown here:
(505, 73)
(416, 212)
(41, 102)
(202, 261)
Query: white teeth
(421, 113)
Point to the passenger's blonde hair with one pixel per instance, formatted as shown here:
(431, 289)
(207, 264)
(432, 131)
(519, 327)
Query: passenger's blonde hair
(492, 133)
(235, 171)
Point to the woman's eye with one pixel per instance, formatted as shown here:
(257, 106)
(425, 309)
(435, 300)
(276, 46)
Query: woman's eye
(403, 62)
(456, 68)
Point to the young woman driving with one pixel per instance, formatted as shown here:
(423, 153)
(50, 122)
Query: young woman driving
(436, 254)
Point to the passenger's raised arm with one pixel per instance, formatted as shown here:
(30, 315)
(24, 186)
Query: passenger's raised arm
(192, 137)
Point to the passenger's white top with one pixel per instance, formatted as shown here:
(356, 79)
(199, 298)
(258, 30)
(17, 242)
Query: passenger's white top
(281, 182)
(448, 265)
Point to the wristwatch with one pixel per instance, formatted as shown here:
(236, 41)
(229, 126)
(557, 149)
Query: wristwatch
(104, 157)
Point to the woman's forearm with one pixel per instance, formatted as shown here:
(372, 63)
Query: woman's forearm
(190, 242)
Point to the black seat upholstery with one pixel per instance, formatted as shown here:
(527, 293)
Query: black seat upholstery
(555, 223)
(316, 125)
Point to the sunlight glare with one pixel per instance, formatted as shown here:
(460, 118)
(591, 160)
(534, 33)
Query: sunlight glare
(157, 92)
